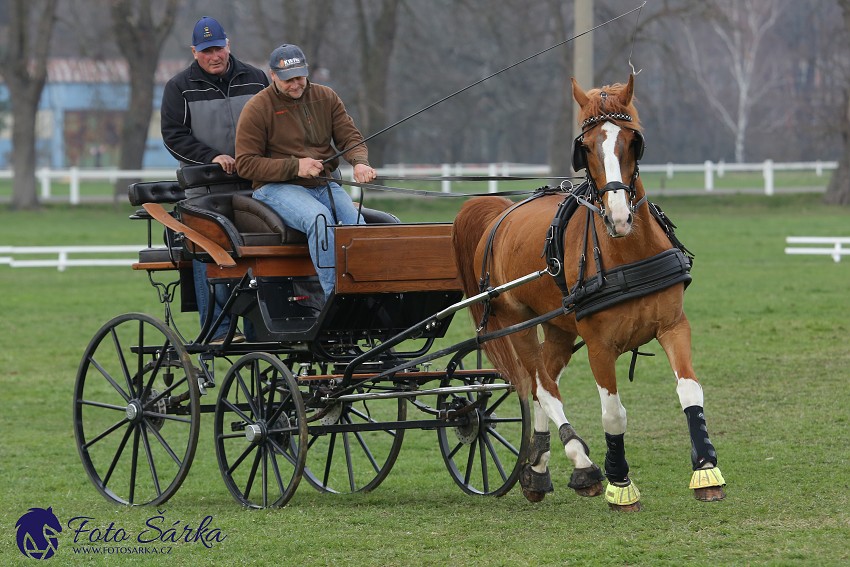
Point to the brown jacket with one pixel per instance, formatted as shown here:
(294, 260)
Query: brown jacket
(275, 130)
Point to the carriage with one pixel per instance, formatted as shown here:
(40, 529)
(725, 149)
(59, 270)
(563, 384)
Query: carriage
(320, 391)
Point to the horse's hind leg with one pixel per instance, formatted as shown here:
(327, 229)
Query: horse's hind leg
(586, 478)
(706, 481)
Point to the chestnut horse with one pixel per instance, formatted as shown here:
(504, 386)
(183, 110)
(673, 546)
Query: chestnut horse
(614, 230)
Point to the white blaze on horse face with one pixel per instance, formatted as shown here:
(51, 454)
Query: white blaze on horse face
(613, 412)
(618, 201)
(690, 392)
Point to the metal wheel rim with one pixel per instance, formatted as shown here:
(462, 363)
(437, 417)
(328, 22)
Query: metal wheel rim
(262, 438)
(122, 435)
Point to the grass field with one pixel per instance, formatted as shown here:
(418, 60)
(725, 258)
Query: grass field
(770, 345)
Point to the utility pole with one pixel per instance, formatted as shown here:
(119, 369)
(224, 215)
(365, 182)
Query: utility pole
(583, 53)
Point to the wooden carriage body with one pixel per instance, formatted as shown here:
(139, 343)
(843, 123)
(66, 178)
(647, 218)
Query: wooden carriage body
(389, 276)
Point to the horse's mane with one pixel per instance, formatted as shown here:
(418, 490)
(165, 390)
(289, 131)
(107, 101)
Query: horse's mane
(612, 104)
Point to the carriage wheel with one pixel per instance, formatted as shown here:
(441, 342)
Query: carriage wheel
(260, 431)
(358, 453)
(483, 454)
(136, 410)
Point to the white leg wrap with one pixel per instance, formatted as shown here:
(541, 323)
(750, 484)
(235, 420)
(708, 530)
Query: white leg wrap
(541, 424)
(613, 412)
(554, 410)
(690, 392)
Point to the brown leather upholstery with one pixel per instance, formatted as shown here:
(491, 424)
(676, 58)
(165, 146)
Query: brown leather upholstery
(253, 216)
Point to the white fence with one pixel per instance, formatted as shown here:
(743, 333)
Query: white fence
(60, 256)
(711, 171)
(835, 246)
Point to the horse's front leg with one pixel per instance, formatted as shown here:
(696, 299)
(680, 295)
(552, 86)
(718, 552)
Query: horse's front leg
(621, 493)
(706, 481)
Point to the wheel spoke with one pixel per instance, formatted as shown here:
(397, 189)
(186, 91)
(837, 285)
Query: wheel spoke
(496, 460)
(249, 397)
(111, 380)
(485, 476)
(134, 463)
(157, 365)
(151, 464)
(507, 444)
(105, 433)
(505, 395)
(331, 447)
(253, 475)
(230, 405)
(123, 362)
(166, 446)
(470, 460)
(102, 405)
(117, 456)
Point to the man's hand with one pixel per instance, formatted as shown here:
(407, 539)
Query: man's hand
(309, 167)
(363, 173)
(227, 163)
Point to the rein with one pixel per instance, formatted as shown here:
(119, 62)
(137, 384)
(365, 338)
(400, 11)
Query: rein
(425, 193)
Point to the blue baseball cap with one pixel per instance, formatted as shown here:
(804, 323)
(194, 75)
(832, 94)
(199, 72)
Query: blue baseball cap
(208, 33)
(288, 61)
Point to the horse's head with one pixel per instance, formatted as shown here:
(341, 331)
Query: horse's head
(609, 148)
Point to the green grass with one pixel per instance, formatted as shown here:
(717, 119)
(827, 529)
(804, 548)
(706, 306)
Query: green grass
(770, 345)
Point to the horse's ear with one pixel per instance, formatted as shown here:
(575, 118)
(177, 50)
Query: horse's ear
(630, 91)
(578, 93)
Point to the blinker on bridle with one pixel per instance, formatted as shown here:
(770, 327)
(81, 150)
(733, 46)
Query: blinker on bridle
(580, 161)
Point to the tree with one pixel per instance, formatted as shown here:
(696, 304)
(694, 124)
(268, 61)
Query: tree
(377, 39)
(23, 65)
(140, 39)
(741, 26)
(838, 190)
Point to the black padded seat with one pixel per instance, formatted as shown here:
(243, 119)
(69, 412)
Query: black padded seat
(157, 255)
(209, 178)
(155, 192)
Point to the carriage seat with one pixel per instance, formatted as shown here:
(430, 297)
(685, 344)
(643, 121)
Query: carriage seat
(249, 222)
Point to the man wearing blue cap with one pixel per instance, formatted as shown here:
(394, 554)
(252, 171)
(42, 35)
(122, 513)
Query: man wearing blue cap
(285, 135)
(200, 109)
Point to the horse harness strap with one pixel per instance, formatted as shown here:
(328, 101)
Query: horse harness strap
(486, 259)
(610, 287)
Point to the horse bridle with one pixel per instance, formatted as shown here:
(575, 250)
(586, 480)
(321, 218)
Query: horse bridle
(580, 162)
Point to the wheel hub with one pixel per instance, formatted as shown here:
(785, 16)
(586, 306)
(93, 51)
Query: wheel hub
(255, 433)
(134, 411)
(332, 415)
(468, 432)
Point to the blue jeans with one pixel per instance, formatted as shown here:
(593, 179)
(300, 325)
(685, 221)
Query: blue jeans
(300, 208)
(202, 295)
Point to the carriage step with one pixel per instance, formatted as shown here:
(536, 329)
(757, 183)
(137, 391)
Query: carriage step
(415, 393)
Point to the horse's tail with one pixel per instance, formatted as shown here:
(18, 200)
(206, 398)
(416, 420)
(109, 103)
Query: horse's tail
(468, 231)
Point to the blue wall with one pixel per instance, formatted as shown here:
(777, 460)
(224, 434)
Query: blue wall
(62, 97)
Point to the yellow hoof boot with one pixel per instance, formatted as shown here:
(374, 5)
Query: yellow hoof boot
(705, 478)
(708, 484)
(622, 496)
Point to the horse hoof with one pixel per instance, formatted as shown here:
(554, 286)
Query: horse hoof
(533, 495)
(590, 491)
(587, 481)
(623, 497)
(635, 507)
(710, 494)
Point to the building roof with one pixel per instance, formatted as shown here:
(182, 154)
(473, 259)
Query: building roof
(105, 70)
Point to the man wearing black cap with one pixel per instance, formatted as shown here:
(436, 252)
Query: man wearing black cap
(285, 134)
(200, 109)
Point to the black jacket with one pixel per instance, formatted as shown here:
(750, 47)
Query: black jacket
(199, 111)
